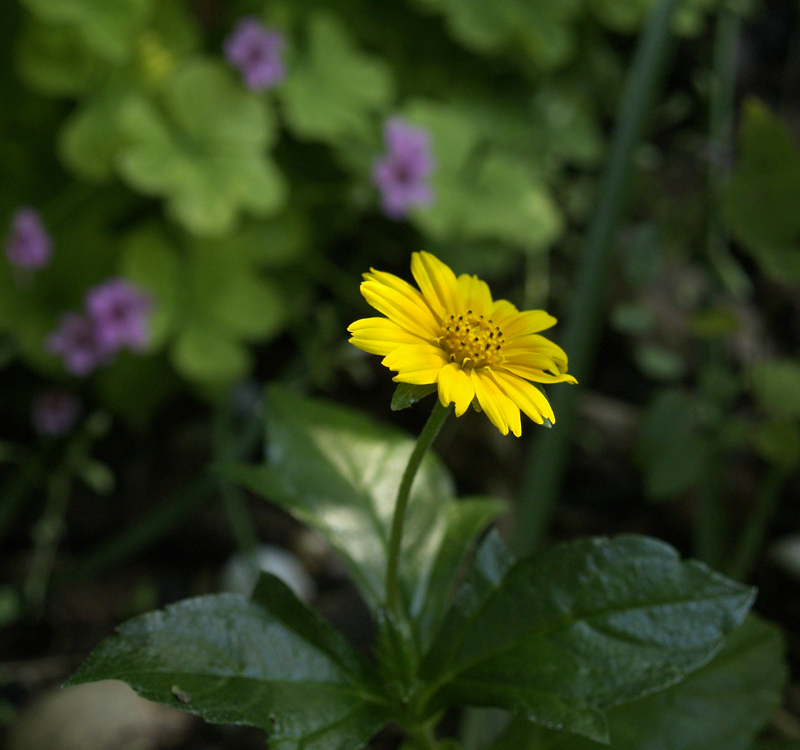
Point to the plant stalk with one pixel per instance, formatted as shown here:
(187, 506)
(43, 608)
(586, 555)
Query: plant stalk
(425, 440)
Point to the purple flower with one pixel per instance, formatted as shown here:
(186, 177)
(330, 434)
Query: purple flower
(257, 52)
(119, 312)
(54, 412)
(402, 175)
(28, 244)
(77, 341)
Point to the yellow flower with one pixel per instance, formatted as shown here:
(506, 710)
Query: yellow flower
(453, 334)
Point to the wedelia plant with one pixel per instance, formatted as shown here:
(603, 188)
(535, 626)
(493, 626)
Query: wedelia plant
(556, 638)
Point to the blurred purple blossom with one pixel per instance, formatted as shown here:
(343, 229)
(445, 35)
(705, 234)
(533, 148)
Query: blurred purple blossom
(28, 244)
(257, 52)
(402, 174)
(76, 340)
(119, 311)
(54, 412)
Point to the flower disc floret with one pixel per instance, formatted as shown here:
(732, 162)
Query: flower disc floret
(452, 333)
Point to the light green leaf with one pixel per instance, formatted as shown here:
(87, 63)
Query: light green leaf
(339, 472)
(542, 30)
(584, 626)
(207, 157)
(150, 261)
(269, 663)
(106, 26)
(721, 705)
(249, 307)
(202, 353)
(776, 384)
(334, 90)
(481, 192)
(89, 139)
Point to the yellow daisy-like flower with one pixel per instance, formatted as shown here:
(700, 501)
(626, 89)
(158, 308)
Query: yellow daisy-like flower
(452, 333)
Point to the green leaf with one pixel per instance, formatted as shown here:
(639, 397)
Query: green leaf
(776, 384)
(762, 202)
(207, 355)
(234, 661)
(54, 60)
(721, 705)
(542, 30)
(249, 307)
(584, 626)
(106, 26)
(407, 394)
(333, 92)
(481, 192)
(150, 261)
(671, 450)
(207, 156)
(339, 472)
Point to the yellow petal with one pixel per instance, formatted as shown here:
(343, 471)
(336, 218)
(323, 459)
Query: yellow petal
(380, 335)
(500, 409)
(418, 363)
(526, 396)
(501, 310)
(474, 294)
(536, 375)
(455, 386)
(409, 312)
(525, 323)
(436, 280)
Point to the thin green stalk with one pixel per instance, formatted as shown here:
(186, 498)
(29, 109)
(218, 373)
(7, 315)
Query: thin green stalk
(47, 535)
(709, 514)
(755, 531)
(548, 453)
(425, 440)
(722, 100)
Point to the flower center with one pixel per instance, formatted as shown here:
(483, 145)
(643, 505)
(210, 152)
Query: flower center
(472, 340)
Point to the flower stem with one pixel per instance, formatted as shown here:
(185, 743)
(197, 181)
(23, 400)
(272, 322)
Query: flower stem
(426, 438)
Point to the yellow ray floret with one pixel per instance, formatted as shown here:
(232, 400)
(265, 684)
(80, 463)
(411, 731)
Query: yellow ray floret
(452, 333)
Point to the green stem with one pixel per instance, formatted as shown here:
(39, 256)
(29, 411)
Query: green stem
(425, 440)
(720, 136)
(547, 456)
(709, 514)
(755, 531)
(47, 534)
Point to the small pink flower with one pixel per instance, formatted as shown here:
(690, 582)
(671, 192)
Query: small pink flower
(257, 52)
(77, 341)
(119, 311)
(28, 245)
(402, 175)
(54, 412)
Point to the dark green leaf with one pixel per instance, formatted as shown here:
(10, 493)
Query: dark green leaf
(671, 449)
(584, 626)
(761, 204)
(721, 705)
(339, 472)
(407, 394)
(234, 661)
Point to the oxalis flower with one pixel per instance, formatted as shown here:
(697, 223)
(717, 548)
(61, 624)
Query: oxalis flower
(451, 332)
